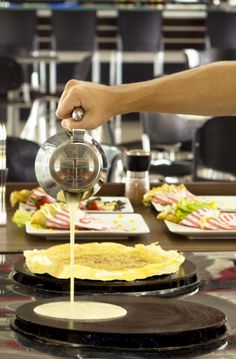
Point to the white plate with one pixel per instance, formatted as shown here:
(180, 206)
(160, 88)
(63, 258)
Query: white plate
(126, 225)
(225, 203)
(196, 233)
(128, 208)
(158, 207)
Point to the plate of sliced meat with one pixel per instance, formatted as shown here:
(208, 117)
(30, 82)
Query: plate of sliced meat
(168, 198)
(205, 223)
(166, 195)
(91, 225)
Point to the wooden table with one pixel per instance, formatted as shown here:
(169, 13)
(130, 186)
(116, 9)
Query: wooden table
(15, 240)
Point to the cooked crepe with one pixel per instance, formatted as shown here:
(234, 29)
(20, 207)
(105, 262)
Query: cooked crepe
(105, 261)
(165, 188)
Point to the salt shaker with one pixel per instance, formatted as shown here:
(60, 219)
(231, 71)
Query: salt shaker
(137, 181)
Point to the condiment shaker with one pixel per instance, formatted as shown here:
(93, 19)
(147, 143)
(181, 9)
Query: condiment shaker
(137, 181)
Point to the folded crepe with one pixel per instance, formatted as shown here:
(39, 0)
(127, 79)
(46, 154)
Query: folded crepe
(56, 216)
(36, 197)
(167, 194)
(104, 261)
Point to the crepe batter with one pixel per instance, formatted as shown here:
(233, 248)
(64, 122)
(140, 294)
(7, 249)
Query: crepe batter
(80, 310)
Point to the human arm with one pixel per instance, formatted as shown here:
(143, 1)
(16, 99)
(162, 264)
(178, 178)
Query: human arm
(206, 90)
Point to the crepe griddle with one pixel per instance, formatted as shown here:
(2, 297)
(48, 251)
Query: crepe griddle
(185, 280)
(150, 324)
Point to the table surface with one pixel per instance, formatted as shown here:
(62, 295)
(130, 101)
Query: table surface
(15, 240)
(215, 261)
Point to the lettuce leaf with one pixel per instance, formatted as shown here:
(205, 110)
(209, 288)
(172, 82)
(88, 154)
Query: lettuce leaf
(20, 218)
(187, 206)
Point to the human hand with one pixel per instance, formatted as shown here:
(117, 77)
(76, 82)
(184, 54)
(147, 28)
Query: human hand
(95, 99)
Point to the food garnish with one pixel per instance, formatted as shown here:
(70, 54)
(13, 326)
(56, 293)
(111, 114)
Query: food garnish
(20, 218)
(98, 204)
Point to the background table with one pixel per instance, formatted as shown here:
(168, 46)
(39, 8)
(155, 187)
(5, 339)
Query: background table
(14, 239)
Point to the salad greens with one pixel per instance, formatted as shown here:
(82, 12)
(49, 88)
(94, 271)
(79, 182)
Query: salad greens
(20, 218)
(187, 206)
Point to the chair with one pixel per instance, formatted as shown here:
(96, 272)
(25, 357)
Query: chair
(139, 39)
(17, 32)
(221, 29)
(18, 36)
(196, 58)
(75, 31)
(41, 122)
(214, 146)
(163, 134)
(20, 159)
(14, 92)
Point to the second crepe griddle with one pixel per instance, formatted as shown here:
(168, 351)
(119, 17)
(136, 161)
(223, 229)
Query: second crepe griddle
(152, 324)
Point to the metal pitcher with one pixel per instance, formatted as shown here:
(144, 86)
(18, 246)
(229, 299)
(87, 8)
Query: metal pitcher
(71, 161)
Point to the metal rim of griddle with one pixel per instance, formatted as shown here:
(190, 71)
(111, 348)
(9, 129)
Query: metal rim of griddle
(187, 326)
(166, 285)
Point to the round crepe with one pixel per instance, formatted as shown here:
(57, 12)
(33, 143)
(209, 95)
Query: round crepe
(105, 261)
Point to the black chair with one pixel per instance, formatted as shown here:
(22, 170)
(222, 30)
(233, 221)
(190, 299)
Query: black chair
(139, 39)
(163, 134)
(11, 75)
(17, 32)
(14, 92)
(139, 43)
(196, 58)
(18, 37)
(20, 159)
(75, 31)
(221, 29)
(214, 146)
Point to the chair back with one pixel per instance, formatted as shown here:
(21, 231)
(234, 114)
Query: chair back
(21, 155)
(163, 131)
(11, 74)
(140, 30)
(17, 31)
(221, 29)
(214, 145)
(74, 30)
(164, 128)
